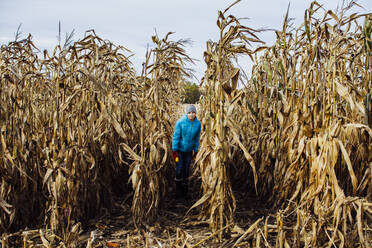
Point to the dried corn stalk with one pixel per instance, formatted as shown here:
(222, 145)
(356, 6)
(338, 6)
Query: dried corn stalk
(222, 135)
(304, 118)
(59, 150)
(151, 158)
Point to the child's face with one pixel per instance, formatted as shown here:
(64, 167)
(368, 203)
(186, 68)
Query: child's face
(191, 115)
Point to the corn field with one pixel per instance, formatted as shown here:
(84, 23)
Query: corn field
(285, 161)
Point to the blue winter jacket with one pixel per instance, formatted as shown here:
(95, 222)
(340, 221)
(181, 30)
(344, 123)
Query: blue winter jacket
(186, 135)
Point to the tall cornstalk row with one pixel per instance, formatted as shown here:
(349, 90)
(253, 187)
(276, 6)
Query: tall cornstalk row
(19, 161)
(59, 118)
(77, 125)
(150, 170)
(222, 137)
(306, 123)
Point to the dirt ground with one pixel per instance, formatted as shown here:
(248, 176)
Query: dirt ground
(116, 229)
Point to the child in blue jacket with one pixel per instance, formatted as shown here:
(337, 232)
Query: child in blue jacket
(185, 145)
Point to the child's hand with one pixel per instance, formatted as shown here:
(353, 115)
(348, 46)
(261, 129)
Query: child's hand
(175, 156)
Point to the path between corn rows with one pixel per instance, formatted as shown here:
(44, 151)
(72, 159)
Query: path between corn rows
(116, 228)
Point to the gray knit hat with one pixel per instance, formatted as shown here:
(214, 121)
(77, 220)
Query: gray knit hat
(190, 108)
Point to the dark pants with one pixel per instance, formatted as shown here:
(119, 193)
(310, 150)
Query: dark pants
(182, 174)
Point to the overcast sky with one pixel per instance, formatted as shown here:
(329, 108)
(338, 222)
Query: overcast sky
(131, 23)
